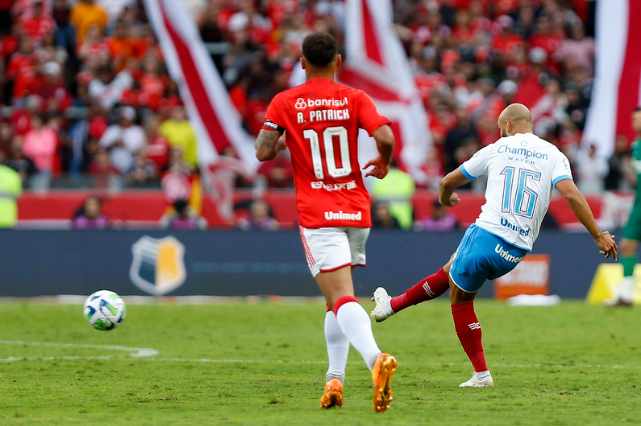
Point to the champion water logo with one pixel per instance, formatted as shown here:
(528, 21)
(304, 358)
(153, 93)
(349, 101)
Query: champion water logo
(527, 153)
(158, 265)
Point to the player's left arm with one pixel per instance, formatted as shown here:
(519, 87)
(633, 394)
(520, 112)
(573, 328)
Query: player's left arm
(269, 144)
(384, 138)
(582, 211)
(449, 183)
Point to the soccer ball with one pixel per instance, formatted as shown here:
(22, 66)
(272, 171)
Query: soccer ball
(104, 310)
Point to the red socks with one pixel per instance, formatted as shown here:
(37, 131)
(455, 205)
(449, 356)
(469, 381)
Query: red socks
(426, 289)
(469, 333)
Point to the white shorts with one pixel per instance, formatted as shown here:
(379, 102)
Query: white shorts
(329, 249)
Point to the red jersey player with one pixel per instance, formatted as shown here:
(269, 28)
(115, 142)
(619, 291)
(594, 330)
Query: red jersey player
(322, 119)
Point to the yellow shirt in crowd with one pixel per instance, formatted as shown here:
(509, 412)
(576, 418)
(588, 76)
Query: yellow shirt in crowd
(84, 15)
(10, 190)
(181, 135)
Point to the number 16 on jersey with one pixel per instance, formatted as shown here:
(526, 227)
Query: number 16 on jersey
(525, 200)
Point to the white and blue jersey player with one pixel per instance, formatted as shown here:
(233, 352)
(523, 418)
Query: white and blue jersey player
(522, 170)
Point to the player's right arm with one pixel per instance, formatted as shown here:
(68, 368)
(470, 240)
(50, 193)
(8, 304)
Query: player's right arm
(466, 172)
(384, 138)
(581, 210)
(268, 144)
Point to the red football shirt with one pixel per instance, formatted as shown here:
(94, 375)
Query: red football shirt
(322, 119)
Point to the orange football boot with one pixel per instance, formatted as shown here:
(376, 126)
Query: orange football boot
(382, 373)
(333, 395)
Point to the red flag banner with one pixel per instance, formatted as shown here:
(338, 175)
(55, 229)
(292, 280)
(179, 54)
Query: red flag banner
(617, 84)
(376, 63)
(216, 122)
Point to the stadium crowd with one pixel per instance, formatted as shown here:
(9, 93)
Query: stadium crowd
(85, 91)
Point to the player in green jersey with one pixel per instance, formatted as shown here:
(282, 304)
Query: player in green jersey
(632, 231)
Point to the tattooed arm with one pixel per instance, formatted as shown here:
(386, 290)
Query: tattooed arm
(268, 144)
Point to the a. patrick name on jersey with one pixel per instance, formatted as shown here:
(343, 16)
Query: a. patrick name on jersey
(318, 115)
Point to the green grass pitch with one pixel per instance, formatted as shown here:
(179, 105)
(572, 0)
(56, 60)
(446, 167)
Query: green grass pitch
(264, 363)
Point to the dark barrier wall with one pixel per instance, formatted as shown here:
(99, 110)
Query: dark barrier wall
(236, 263)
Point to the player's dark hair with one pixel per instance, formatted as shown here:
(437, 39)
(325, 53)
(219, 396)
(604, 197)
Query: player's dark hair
(319, 49)
(637, 109)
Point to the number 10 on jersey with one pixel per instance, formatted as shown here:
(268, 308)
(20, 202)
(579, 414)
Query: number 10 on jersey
(330, 159)
(525, 200)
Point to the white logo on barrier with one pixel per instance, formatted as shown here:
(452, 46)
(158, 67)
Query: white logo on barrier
(158, 265)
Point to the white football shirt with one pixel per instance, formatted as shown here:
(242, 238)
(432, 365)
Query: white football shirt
(522, 171)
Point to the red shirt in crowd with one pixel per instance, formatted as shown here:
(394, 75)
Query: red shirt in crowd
(21, 70)
(37, 26)
(8, 45)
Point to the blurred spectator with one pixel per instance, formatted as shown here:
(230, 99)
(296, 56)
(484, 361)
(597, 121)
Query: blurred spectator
(65, 33)
(114, 8)
(108, 89)
(432, 171)
(120, 46)
(577, 51)
(40, 145)
(90, 215)
(179, 133)
(619, 166)
(36, 24)
(258, 219)
(9, 44)
(183, 216)
(591, 169)
(93, 44)
(278, 173)
(105, 175)
(21, 68)
(19, 162)
(144, 173)
(6, 136)
(463, 130)
(158, 147)
(576, 107)
(20, 118)
(210, 30)
(381, 217)
(85, 14)
(176, 182)
(441, 219)
(397, 189)
(51, 88)
(124, 140)
(10, 190)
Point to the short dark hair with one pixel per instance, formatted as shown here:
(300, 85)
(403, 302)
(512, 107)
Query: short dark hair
(320, 49)
(637, 109)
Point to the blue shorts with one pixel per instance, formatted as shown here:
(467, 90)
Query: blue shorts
(482, 256)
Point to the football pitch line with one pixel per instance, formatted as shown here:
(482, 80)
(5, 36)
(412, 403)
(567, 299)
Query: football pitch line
(134, 352)
(431, 364)
(149, 354)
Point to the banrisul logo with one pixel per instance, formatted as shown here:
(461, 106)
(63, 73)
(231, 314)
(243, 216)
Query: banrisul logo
(158, 265)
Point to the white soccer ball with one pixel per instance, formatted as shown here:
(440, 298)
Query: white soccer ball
(104, 310)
